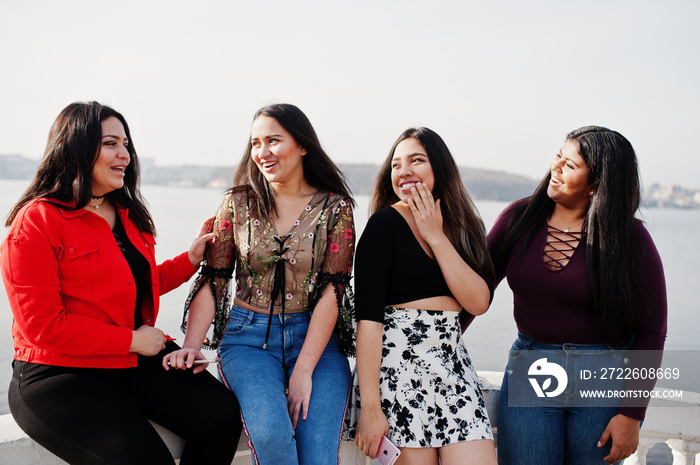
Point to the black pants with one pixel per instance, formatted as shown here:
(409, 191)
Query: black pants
(100, 416)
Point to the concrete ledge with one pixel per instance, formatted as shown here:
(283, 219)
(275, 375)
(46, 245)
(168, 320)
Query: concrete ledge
(16, 448)
(679, 427)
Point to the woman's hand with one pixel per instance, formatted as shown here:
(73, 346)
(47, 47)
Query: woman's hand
(371, 426)
(205, 234)
(183, 359)
(147, 340)
(320, 329)
(299, 396)
(468, 288)
(427, 213)
(624, 432)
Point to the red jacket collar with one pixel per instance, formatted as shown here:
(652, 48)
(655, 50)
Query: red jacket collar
(121, 211)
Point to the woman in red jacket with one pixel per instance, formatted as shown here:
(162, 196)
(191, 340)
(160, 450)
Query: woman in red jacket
(79, 268)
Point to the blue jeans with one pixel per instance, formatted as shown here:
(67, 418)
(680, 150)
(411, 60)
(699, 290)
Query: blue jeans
(259, 376)
(556, 435)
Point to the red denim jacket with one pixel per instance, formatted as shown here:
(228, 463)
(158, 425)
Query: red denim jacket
(71, 291)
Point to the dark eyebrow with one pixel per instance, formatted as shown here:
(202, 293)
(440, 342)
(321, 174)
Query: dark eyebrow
(110, 135)
(569, 159)
(268, 136)
(412, 155)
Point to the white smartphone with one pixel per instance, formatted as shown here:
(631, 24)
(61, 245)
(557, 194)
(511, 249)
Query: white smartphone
(388, 453)
(204, 361)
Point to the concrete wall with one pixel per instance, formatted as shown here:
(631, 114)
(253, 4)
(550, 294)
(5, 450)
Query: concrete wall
(679, 427)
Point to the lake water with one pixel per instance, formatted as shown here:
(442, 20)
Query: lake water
(178, 213)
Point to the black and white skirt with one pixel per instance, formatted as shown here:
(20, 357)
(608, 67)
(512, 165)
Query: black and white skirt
(430, 393)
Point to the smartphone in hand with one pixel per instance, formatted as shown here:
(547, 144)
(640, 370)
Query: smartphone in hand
(388, 453)
(203, 361)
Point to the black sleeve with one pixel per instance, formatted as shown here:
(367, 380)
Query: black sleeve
(373, 266)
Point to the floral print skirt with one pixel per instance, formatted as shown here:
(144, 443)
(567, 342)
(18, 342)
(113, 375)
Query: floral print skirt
(429, 390)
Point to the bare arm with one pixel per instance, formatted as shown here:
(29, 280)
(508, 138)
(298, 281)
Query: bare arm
(470, 289)
(200, 318)
(372, 424)
(321, 327)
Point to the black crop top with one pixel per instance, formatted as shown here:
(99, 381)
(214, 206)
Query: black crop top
(391, 267)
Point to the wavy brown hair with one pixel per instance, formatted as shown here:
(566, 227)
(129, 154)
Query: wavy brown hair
(319, 170)
(65, 171)
(461, 221)
(610, 225)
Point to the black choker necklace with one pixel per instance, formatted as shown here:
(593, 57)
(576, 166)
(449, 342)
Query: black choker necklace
(95, 197)
(98, 206)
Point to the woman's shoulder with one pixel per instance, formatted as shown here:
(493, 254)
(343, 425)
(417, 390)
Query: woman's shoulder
(238, 194)
(645, 243)
(334, 199)
(41, 207)
(515, 208)
(39, 216)
(236, 199)
(385, 216)
(511, 211)
(641, 230)
(383, 221)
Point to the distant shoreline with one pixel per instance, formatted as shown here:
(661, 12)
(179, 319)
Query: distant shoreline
(482, 184)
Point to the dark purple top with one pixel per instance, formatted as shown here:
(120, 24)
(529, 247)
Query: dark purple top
(556, 306)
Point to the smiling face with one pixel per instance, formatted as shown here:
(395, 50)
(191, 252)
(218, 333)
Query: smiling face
(108, 171)
(569, 184)
(409, 165)
(275, 152)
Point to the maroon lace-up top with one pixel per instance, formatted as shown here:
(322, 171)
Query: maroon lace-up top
(552, 300)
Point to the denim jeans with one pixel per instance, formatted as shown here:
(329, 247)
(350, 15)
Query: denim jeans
(562, 434)
(259, 376)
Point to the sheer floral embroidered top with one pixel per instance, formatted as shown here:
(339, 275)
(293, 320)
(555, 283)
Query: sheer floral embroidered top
(280, 273)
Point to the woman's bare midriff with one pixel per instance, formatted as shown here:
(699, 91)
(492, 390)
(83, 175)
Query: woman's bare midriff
(265, 311)
(432, 303)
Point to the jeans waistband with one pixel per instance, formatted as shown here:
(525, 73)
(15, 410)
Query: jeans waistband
(529, 343)
(251, 316)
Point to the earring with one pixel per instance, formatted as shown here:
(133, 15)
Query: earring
(591, 194)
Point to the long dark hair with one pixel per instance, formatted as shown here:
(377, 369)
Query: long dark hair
(319, 170)
(461, 221)
(609, 225)
(65, 172)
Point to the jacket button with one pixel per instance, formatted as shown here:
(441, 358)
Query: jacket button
(71, 250)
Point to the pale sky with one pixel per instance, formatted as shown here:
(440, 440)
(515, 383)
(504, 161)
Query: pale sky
(501, 81)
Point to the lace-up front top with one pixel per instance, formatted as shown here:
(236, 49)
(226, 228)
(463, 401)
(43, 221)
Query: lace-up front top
(560, 247)
(553, 299)
(283, 272)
